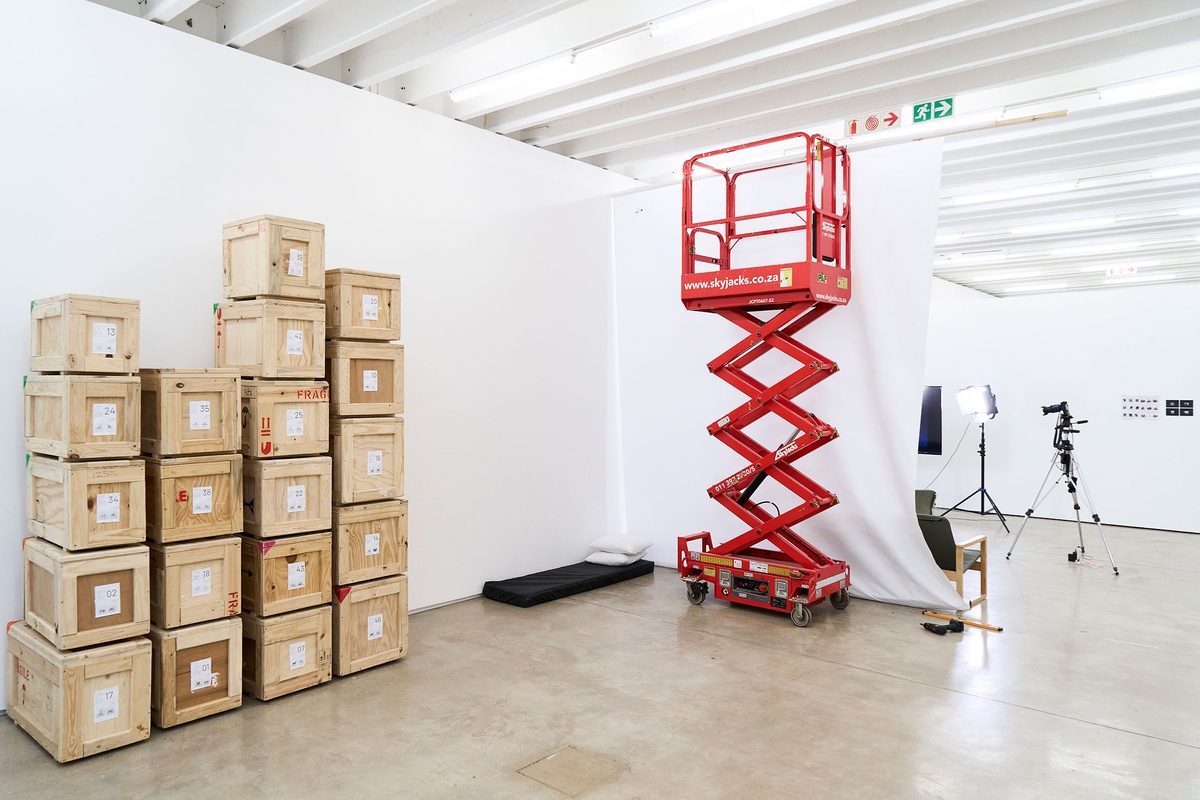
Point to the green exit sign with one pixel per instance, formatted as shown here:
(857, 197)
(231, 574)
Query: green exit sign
(933, 109)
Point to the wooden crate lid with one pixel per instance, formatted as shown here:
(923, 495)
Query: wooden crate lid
(288, 467)
(80, 556)
(27, 636)
(385, 349)
(219, 629)
(82, 378)
(184, 372)
(287, 222)
(219, 542)
(253, 621)
(275, 303)
(338, 424)
(80, 465)
(368, 511)
(90, 298)
(183, 461)
(376, 588)
(252, 387)
(334, 276)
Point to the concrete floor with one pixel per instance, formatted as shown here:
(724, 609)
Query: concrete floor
(1090, 691)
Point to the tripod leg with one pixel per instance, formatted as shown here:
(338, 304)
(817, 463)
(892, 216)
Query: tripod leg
(1096, 518)
(1075, 503)
(960, 502)
(1037, 501)
(995, 508)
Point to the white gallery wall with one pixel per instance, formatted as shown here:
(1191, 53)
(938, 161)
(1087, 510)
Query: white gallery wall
(1089, 349)
(667, 396)
(125, 146)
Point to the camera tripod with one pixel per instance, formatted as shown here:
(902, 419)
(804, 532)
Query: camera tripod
(1064, 459)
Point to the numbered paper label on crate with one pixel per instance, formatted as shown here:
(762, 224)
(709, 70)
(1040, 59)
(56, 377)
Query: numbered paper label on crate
(374, 627)
(370, 380)
(296, 655)
(106, 703)
(295, 342)
(201, 582)
(374, 462)
(370, 307)
(295, 421)
(296, 576)
(200, 414)
(108, 507)
(296, 262)
(295, 499)
(202, 500)
(108, 600)
(104, 339)
(372, 544)
(104, 419)
(202, 675)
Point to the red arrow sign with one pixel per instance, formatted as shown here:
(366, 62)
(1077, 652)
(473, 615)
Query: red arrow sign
(890, 119)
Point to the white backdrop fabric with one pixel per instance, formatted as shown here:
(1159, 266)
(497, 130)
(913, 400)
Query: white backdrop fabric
(667, 396)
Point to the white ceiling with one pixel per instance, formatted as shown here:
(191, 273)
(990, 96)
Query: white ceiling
(1073, 151)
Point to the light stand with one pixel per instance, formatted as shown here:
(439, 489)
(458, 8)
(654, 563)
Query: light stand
(979, 403)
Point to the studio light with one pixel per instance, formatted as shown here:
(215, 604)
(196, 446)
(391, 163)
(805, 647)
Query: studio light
(977, 402)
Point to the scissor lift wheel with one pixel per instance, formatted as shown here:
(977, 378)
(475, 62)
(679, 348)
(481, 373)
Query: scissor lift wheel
(771, 303)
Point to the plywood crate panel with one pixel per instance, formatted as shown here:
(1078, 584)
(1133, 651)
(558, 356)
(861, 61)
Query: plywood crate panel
(196, 671)
(83, 416)
(194, 582)
(365, 378)
(79, 505)
(271, 338)
(287, 653)
(82, 703)
(193, 497)
(82, 333)
(368, 459)
(370, 624)
(89, 597)
(370, 541)
(285, 418)
(269, 256)
(280, 575)
(190, 412)
(362, 305)
(287, 495)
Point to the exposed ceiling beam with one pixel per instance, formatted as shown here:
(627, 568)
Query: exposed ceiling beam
(874, 50)
(791, 109)
(245, 21)
(165, 10)
(447, 30)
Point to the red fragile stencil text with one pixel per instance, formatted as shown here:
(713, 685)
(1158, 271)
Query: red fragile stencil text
(183, 495)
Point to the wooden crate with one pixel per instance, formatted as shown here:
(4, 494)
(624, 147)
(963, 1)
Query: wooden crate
(81, 333)
(196, 672)
(82, 703)
(79, 505)
(287, 653)
(362, 305)
(365, 378)
(370, 541)
(86, 598)
(285, 418)
(287, 495)
(188, 412)
(193, 497)
(368, 459)
(280, 575)
(269, 256)
(82, 417)
(271, 338)
(370, 624)
(193, 582)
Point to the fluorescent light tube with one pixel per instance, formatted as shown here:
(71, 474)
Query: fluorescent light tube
(1011, 275)
(1062, 227)
(1175, 172)
(980, 257)
(1143, 264)
(1113, 180)
(1190, 212)
(1096, 249)
(536, 76)
(1156, 86)
(1037, 287)
(1012, 194)
(1166, 276)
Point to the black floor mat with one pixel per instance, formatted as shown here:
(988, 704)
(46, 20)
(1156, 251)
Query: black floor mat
(542, 587)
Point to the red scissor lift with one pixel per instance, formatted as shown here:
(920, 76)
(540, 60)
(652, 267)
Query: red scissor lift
(807, 221)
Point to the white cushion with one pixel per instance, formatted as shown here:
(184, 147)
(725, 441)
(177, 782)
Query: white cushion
(626, 545)
(614, 559)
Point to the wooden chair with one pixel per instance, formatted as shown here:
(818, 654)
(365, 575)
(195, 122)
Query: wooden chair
(955, 559)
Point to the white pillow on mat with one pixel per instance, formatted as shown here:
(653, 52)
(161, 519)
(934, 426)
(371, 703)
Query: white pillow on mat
(614, 559)
(626, 545)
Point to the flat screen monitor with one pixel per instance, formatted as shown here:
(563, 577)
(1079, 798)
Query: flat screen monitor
(930, 440)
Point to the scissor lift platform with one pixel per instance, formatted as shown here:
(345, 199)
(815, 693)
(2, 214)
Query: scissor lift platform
(809, 226)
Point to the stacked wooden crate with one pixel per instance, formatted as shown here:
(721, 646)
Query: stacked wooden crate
(78, 665)
(192, 439)
(271, 331)
(365, 369)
